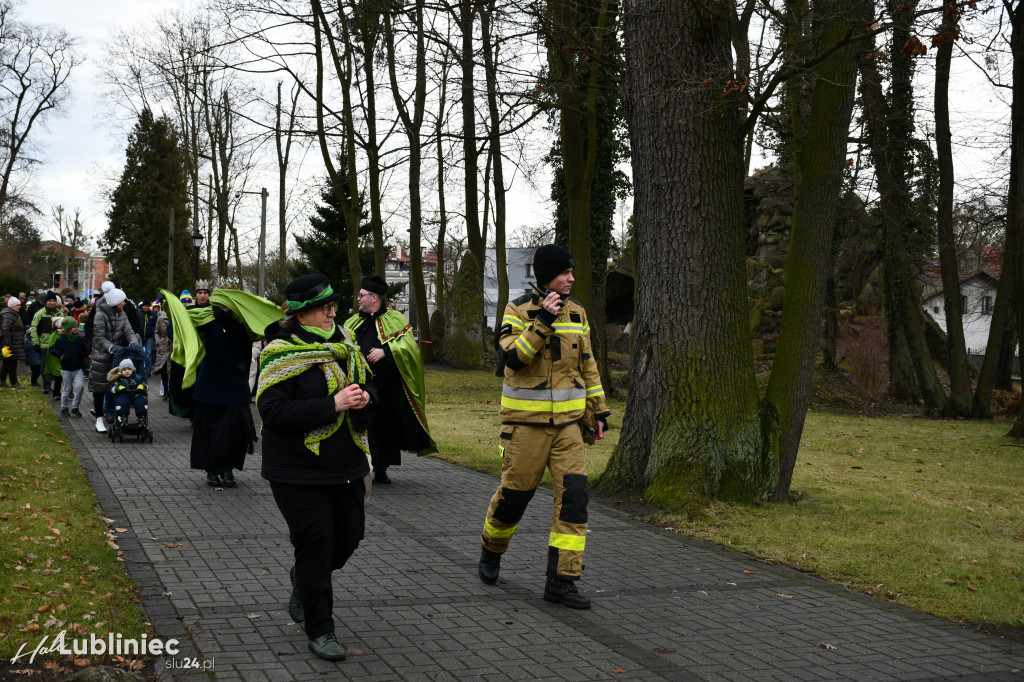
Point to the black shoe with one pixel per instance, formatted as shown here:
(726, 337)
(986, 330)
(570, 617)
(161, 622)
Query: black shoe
(229, 479)
(213, 480)
(295, 609)
(65, 412)
(563, 591)
(328, 648)
(381, 477)
(490, 564)
(76, 413)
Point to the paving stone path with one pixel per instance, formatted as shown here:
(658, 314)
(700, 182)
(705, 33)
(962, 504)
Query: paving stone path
(410, 607)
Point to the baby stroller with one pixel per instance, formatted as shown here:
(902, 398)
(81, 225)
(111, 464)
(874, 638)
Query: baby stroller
(129, 424)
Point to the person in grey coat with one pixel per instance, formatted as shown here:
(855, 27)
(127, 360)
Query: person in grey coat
(12, 342)
(110, 330)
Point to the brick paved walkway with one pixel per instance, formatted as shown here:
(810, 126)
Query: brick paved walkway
(410, 602)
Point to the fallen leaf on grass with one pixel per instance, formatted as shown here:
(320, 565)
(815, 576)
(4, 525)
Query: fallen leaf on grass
(972, 589)
(81, 662)
(32, 627)
(826, 645)
(121, 530)
(43, 609)
(950, 581)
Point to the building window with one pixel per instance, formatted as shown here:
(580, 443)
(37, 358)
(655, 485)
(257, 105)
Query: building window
(986, 305)
(963, 303)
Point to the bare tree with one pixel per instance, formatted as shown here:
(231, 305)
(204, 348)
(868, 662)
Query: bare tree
(35, 63)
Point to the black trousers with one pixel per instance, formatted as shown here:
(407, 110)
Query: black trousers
(10, 371)
(325, 525)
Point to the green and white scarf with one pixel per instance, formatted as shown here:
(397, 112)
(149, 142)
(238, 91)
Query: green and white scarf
(342, 364)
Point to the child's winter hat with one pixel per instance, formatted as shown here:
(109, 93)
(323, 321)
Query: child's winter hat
(126, 364)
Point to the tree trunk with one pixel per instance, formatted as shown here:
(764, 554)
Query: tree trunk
(369, 31)
(818, 173)
(1015, 200)
(349, 205)
(467, 12)
(959, 403)
(998, 344)
(692, 427)
(888, 138)
(490, 71)
(413, 122)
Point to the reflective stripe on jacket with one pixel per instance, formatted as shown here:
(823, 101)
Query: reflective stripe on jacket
(551, 375)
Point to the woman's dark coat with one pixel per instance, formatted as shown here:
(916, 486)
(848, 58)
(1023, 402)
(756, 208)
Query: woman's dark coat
(12, 333)
(291, 408)
(110, 327)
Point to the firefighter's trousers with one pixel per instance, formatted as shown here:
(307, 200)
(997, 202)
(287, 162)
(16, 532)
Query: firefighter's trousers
(526, 451)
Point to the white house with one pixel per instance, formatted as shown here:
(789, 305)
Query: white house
(977, 297)
(396, 271)
(520, 278)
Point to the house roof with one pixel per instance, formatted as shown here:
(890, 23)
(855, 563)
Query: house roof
(933, 283)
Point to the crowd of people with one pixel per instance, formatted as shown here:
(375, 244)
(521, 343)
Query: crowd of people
(336, 402)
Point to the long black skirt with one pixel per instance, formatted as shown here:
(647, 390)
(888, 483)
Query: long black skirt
(222, 436)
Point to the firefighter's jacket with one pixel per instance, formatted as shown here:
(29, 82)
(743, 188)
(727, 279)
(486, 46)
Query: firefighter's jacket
(551, 375)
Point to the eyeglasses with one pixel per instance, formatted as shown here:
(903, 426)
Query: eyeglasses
(329, 308)
(364, 295)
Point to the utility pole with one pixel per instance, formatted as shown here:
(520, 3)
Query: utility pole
(263, 236)
(170, 254)
(263, 243)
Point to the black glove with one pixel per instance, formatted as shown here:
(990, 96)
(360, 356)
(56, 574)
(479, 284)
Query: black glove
(547, 317)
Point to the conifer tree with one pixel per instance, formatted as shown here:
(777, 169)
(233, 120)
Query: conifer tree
(152, 183)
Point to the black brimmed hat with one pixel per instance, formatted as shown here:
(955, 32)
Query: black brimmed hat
(308, 291)
(375, 285)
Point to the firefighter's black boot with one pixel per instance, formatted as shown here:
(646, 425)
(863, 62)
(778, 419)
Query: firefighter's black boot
(490, 564)
(563, 591)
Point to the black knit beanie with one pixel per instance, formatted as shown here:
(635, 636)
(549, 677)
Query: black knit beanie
(549, 261)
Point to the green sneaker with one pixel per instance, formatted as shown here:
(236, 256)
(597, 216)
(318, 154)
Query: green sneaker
(294, 602)
(328, 648)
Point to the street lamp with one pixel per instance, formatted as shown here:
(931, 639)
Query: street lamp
(197, 243)
(263, 235)
(135, 275)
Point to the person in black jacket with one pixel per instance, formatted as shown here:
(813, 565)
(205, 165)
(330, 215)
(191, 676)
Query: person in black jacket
(314, 398)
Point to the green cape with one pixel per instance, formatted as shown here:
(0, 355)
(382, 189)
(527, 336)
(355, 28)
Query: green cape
(254, 312)
(395, 331)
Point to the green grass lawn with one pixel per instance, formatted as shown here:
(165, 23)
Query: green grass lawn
(60, 568)
(928, 513)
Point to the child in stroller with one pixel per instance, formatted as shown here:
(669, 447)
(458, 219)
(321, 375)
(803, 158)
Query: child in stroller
(128, 391)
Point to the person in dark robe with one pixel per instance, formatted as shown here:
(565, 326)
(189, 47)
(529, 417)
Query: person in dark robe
(223, 430)
(387, 341)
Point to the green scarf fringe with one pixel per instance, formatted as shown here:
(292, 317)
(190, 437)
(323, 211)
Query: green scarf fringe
(342, 364)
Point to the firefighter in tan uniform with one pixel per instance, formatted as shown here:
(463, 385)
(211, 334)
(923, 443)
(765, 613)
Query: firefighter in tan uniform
(551, 381)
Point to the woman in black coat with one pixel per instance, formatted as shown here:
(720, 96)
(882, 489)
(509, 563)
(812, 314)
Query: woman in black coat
(314, 398)
(12, 341)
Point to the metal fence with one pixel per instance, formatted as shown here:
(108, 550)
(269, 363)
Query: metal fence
(976, 356)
